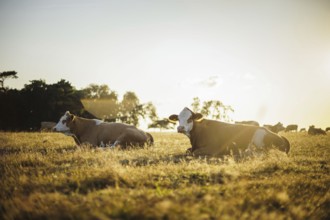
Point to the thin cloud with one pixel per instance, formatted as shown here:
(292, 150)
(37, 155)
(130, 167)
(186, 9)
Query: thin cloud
(210, 82)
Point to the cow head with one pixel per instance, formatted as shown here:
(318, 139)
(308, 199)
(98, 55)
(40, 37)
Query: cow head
(186, 120)
(65, 122)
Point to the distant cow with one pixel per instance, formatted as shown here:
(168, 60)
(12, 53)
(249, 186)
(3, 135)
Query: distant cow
(47, 125)
(215, 138)
(327, 129)
(291, 128)
(302, 129)
(255, 123)
(275, 128)
(99, 133)
(315, 131)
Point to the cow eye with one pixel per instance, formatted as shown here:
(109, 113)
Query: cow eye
(189, 120)
(63, 121)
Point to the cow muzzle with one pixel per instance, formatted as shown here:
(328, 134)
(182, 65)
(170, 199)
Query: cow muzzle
(67, 131)
(181, 129)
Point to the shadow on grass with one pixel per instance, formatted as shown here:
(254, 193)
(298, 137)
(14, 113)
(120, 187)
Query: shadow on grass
(93, 184)
(8, 150)
(172, 159)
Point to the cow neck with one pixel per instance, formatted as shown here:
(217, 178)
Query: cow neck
(194, 133)
(81, 126)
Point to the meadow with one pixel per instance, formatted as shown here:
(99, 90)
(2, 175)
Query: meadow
(46, 176)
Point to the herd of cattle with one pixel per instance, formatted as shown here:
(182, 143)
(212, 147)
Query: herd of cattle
(207, 137)
(279, 127)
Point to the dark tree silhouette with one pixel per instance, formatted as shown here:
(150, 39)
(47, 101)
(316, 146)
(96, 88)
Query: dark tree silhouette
(45, 102)
(39, 101)
(6, 75)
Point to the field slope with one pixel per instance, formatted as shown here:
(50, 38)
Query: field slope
(45, 176)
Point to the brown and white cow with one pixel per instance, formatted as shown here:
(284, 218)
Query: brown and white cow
(215, 138)
(100, 133)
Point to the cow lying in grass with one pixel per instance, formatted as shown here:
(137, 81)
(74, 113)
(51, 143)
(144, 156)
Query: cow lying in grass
(99, 133)
(215, 138)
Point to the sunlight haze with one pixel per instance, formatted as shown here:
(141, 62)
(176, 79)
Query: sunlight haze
(269, 60)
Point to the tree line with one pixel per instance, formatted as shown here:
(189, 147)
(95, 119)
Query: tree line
(38, 101)
(25, 109)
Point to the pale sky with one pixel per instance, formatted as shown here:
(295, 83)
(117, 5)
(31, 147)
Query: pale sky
(269, 60)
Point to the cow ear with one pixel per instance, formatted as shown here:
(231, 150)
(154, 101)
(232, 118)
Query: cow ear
(197, 116)
(173, 118)
(70, 117)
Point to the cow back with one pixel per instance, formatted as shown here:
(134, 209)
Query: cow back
(219, 135)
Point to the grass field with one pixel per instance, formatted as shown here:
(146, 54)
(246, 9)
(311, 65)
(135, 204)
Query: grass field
(45, 176)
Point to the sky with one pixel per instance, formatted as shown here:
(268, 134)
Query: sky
(269, 60)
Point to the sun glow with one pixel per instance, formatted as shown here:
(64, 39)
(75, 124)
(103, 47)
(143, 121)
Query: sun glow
(270, 63)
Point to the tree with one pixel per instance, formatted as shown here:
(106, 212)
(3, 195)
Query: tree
(214, 109)
(164, 123)
(196, 104)
(131, 110)
(101, 101)
(47, 102)
(12, 110)
(39, 101)
(63, 96)
(94, 91)
(6, 75)
(129, 102)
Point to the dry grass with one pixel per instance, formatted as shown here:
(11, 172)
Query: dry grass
(45, 176)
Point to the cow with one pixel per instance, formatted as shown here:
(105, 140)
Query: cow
(327, 129)
(215, 138)
(291, 128)
(275, 128)
(315, 131)
(255, 123)
(302, 129)
(100, 133)
(47, 125)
